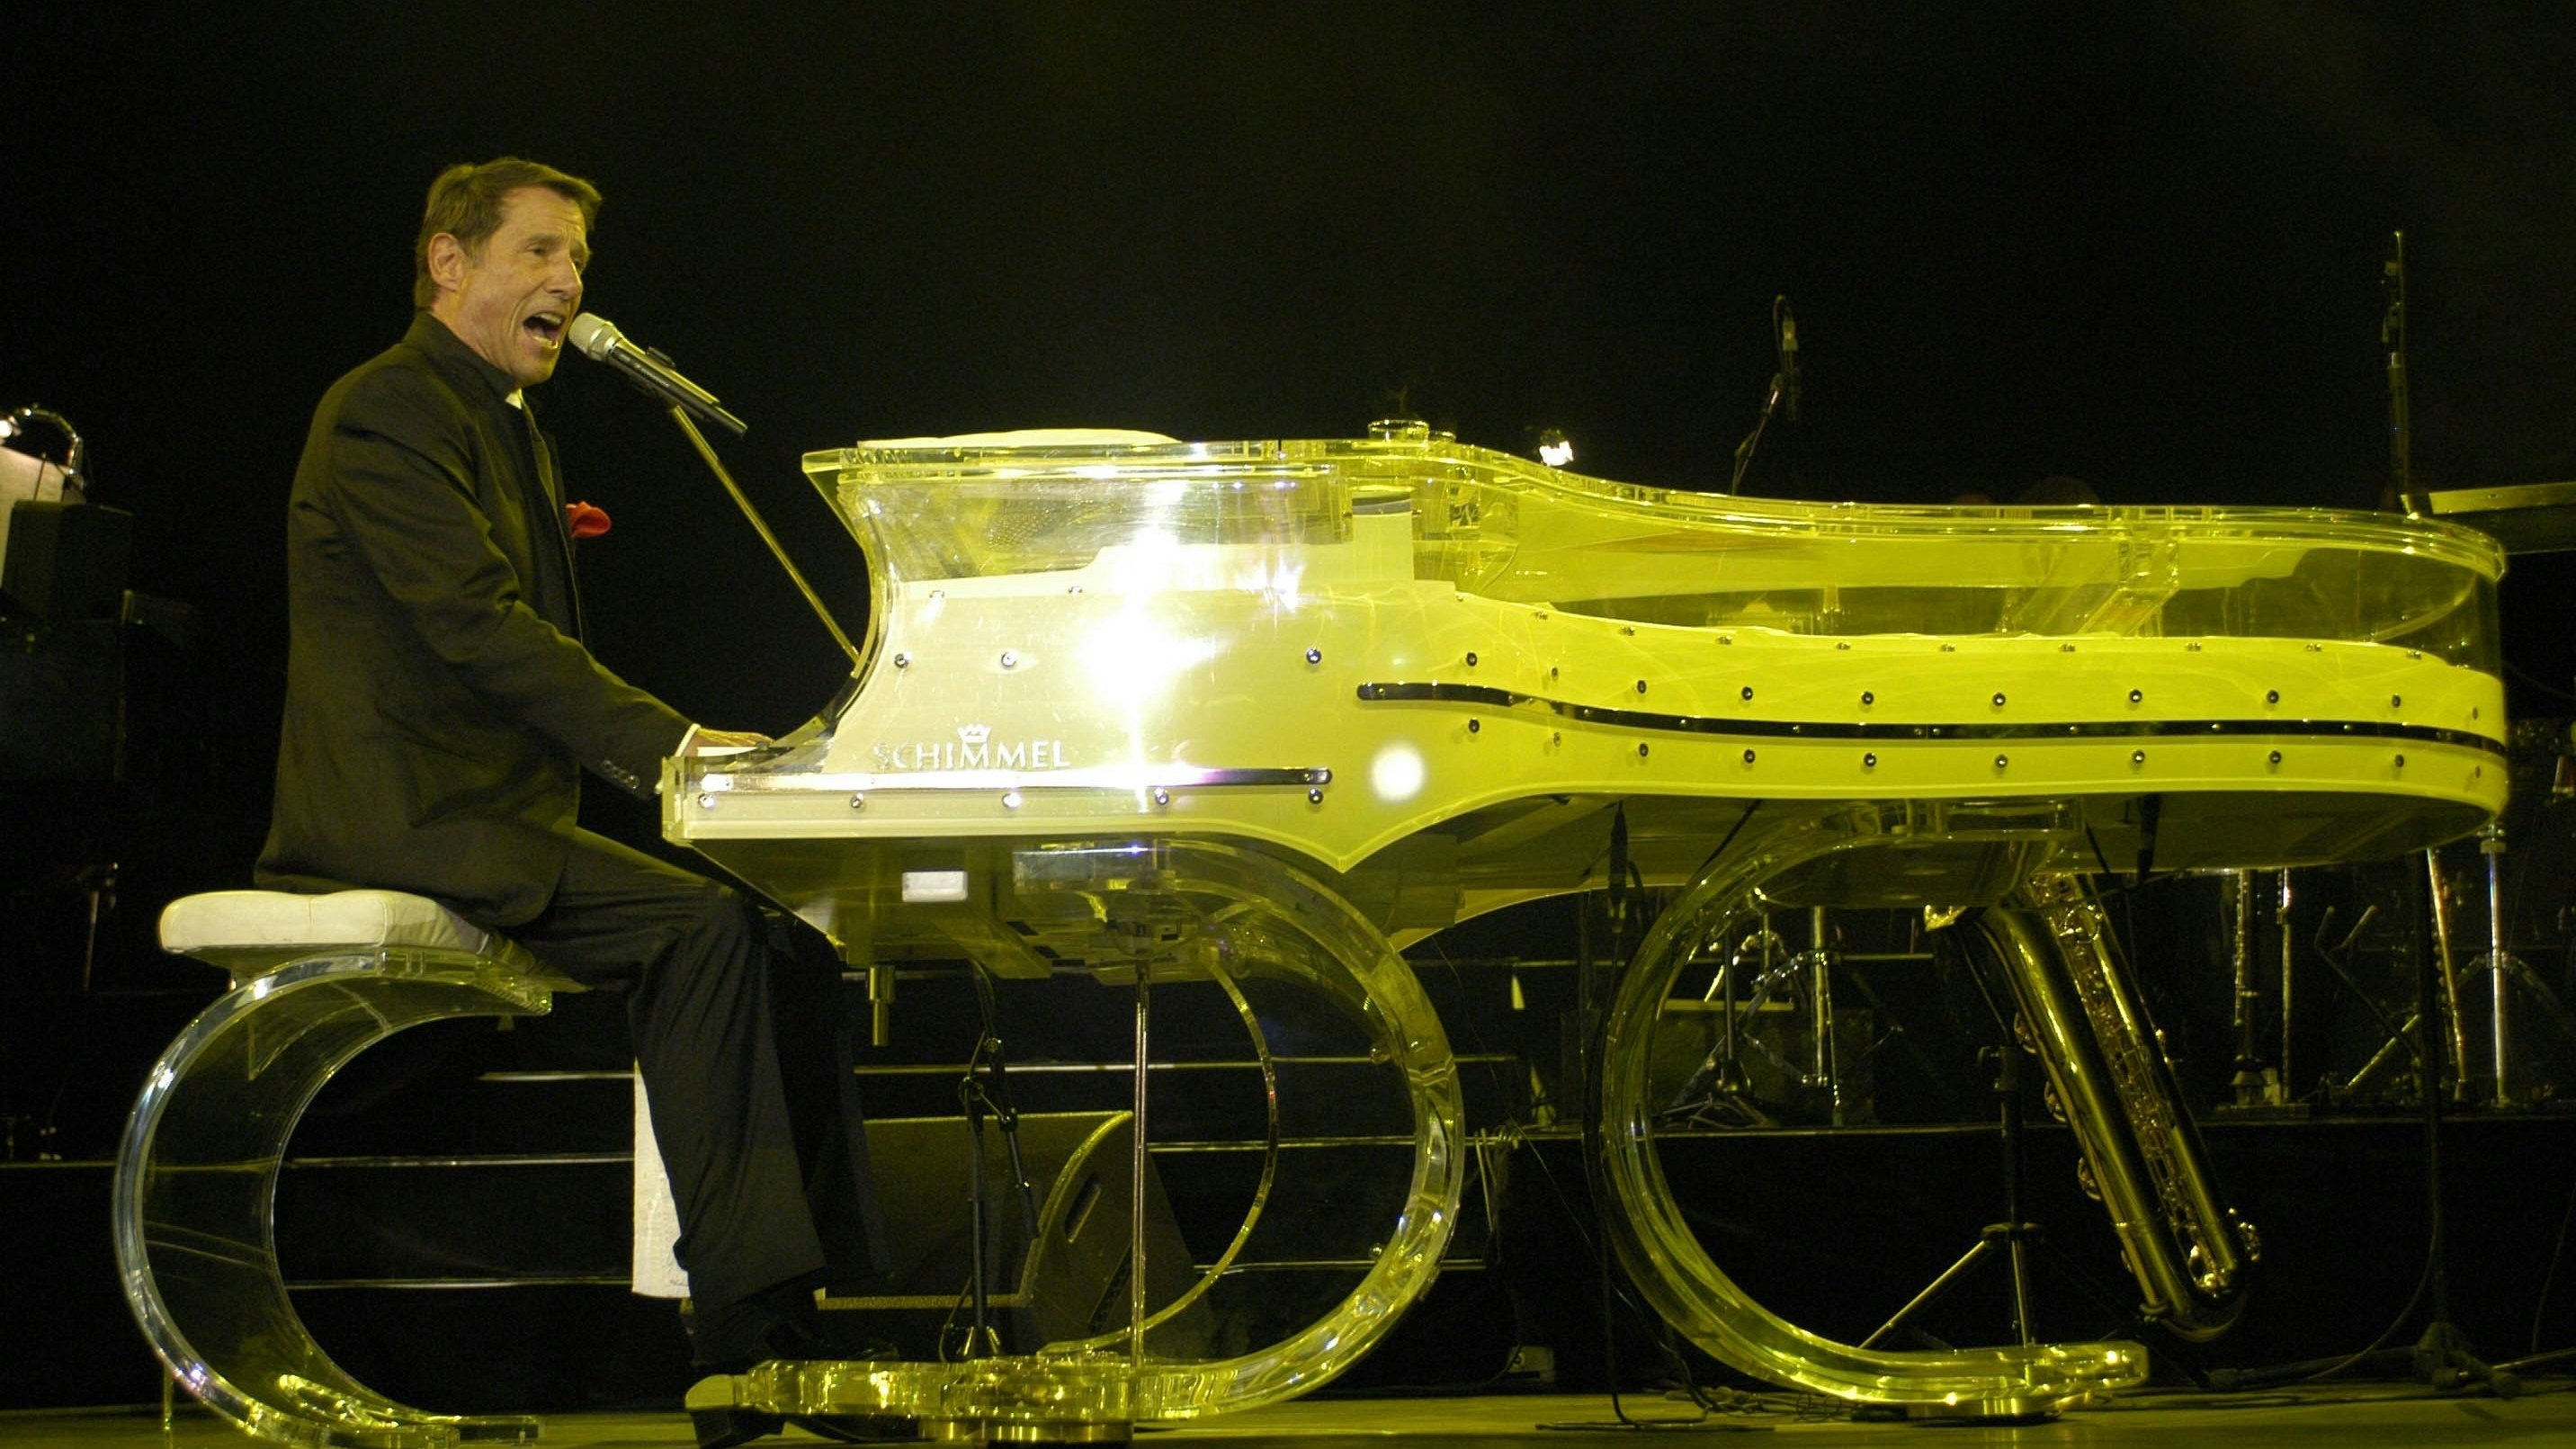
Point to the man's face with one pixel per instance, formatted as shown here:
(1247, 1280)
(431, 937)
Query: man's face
(510, 299)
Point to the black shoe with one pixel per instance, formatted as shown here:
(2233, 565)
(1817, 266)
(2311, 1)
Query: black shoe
(777, 1322)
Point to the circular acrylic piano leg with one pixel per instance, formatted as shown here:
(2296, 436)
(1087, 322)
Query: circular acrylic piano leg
(1317, 984)
(196, 1183)
(1798, 859)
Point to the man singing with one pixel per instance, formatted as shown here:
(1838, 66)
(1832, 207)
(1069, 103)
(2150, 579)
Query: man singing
(440, 708)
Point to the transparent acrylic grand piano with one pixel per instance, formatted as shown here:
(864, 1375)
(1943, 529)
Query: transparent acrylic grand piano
(1251, 717)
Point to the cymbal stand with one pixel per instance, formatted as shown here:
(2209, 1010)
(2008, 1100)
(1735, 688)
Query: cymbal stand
(2491, 845)
(1820, 965)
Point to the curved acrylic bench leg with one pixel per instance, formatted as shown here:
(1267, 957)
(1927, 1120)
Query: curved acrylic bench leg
(196, 1183)
(1805, 858)
(1253, 924)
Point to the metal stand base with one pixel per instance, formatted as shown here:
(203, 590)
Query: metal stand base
(2009, 1238)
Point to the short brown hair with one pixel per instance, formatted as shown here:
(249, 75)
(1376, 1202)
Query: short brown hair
(465, 202)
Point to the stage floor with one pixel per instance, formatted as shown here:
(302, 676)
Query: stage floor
(2342, 1417)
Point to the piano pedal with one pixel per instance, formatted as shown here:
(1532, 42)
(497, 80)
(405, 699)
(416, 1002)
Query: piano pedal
(721, 1421)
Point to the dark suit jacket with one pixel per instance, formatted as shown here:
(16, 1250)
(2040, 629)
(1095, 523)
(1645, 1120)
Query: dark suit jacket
(439, 704)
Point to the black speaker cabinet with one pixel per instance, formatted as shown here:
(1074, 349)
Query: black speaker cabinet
(66, 560)
(62, 693)
(1071, 1283)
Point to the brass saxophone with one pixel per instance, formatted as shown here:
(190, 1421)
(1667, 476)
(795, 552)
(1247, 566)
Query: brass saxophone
(2109, 1079)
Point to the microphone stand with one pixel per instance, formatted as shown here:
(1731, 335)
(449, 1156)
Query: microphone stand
(1784, 338)
(2392, 334)
(813, 600)
(1744, 450)
(983, 1093)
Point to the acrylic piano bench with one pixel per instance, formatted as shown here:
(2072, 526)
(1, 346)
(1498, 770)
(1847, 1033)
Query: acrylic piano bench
(315, 981)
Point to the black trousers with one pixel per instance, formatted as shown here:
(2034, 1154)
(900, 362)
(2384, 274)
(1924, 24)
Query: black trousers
(744, 1048)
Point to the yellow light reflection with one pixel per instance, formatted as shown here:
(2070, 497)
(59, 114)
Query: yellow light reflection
(1131, 658)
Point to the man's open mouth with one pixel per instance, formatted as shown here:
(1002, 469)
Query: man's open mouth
(548, 327)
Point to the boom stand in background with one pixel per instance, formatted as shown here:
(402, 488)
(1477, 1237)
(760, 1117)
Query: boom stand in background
(2009, 1236)
(2441, 1356)
(984, 1093)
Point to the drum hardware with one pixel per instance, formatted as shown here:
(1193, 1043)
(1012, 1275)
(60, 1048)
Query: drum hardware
(2497, 961)
(2441, 1357)
(2439, 908)
(2398, 1034)
(2514, 1079)
(2337, 958)
(1820, 971)
(1720, 1092)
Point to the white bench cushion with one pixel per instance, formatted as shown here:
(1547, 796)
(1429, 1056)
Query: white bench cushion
(233, 927)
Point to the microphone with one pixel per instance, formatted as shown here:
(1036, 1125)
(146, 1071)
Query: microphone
(651, 372)
(1788, 360)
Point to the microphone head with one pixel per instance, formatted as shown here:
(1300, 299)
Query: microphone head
(595, 335)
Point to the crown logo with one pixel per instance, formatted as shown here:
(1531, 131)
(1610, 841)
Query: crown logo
(974, 734)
